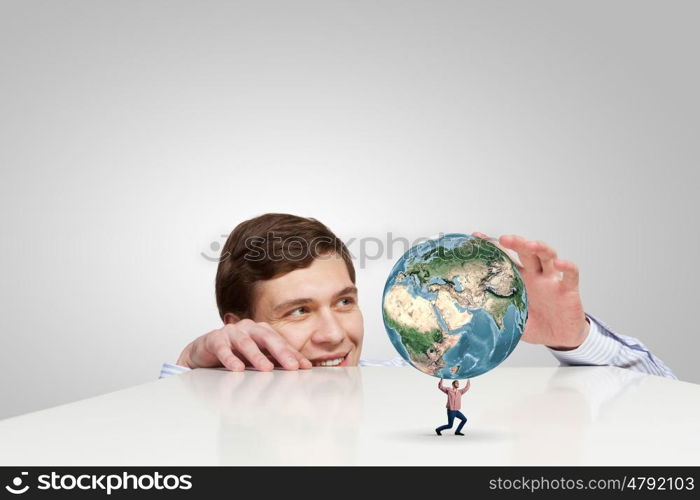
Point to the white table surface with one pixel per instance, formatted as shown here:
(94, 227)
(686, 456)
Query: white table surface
(369, 416)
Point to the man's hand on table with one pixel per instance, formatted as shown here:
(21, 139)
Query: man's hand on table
(241, 344)
(555, 314)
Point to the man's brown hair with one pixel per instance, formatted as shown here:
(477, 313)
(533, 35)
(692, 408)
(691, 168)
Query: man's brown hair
(266, 247)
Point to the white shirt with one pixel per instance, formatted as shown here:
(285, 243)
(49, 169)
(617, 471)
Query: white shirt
(602, 347)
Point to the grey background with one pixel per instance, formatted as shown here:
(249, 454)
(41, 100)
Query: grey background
(135, 134)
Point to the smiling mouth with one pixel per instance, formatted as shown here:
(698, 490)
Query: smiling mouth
(331, 362)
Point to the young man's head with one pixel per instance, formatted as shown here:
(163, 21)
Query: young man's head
(296, 275)
(455, 383)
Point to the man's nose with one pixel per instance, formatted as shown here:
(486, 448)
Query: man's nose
(329, 329)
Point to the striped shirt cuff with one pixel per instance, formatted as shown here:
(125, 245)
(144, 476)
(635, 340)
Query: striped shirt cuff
(170, 369)
(603, 347)
(397, 361)
(599, 348)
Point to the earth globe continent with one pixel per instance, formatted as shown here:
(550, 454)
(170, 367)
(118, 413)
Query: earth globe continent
(455, 307)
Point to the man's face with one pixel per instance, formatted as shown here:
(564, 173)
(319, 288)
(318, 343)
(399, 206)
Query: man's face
(316, 310)
(455, 384)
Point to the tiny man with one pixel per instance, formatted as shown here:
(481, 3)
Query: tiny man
(454, 404)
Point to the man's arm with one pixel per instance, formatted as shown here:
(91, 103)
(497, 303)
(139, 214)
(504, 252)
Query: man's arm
(467, 386)
(442, 387)
(602, 347)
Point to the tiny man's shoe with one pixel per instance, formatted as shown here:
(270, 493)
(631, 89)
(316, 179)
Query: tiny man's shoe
(438, 432)
(458, 434)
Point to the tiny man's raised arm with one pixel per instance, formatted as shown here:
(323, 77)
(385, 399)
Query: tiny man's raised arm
(441, 387)
(467, 386)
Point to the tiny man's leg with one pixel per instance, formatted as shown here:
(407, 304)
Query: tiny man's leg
(461, 424)
(450, 419)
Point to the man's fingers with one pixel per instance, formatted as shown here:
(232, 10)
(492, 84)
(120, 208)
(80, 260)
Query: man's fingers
(526, 253)
(498, 244)
(218, 343)
(228, 359)
(488, 238)
(536, 256)
(304, 362)
(288, 357)
(258, 345)
(547, 255)
(250, 350)
(570, 277)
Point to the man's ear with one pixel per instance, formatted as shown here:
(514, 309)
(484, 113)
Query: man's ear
(230, 318)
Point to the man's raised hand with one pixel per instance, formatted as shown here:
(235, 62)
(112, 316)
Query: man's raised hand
(555, 314)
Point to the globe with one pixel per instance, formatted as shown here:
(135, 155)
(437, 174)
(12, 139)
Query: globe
(454, 307)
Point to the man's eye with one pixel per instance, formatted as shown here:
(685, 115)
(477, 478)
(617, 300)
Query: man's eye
(346, 301)
(298, 311)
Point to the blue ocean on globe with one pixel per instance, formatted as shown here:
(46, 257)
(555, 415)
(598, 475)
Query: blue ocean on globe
(454, 307)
